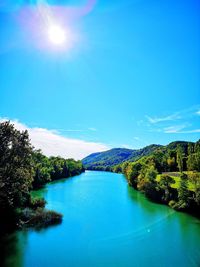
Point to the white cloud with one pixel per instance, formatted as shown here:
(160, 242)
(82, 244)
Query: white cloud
(52, 143)
(192, 131)
(162, 119)
(174, 129)
(71, 130)
(181, 114)
(92, 129)
(179, 129)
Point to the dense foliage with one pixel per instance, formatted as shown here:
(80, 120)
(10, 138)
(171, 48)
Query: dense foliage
(108, 159)
(170, 175)
(16, 171)
(22, 168)
(53, 168)
(165, 174)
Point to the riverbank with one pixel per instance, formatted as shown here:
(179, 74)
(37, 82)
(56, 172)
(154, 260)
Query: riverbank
(107, 223)
(23, 168)
(164, 188)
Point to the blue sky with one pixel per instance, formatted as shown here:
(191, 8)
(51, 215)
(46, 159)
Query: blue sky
(130, 78)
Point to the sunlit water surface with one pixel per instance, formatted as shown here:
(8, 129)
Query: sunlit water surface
(107, 223)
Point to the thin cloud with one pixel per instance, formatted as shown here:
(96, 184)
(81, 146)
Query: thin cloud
(192, 131)
(155, 120)
(198, 112)
(179, 129)
(92, 129)
(182, 114)
(52, 143)
(71, 130)
(174, 129)
(179, 122)
(78, 130)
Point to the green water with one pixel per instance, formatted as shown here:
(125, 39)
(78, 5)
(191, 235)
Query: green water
(107, 223)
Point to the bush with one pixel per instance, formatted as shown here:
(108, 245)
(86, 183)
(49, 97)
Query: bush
(172, 204)
(37, 203)
(39, 218)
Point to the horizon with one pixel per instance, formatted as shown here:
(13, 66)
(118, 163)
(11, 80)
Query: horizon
(162, 145)
(88, 76)
(34, 141)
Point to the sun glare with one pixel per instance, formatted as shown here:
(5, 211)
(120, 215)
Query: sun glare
(56, 35)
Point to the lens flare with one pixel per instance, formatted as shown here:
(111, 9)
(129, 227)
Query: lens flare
(52, 28)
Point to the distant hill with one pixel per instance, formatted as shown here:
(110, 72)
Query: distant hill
(115, 156)
(107, 159)
(183, 144)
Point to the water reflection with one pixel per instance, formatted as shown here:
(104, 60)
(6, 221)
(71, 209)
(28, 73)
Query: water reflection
(12, 249)
(144, 203)
(106, 223)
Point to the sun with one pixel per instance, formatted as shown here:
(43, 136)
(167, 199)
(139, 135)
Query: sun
(57, 35)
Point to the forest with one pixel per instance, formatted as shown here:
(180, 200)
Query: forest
(22, 169)
(170, 175)
(106, 159)
(165, 174)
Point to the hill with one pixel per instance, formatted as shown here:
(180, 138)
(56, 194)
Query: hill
(115, 156)
(165, 174)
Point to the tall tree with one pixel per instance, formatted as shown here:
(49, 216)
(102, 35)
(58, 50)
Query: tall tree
(180, 158)
(16, 173)
(183, 192)
(165, 184)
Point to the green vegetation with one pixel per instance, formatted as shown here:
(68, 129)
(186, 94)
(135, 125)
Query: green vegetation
(106, 160)
(22, 168)
(38, 218)
(165, 174)
(53, 168)
(169, 176)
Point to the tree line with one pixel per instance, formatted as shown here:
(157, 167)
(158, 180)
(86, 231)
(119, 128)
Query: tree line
(169, 175)
(22, 169)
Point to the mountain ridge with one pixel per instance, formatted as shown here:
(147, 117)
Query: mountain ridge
(114, 156)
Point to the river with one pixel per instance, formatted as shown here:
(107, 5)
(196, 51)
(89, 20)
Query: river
(106, 224)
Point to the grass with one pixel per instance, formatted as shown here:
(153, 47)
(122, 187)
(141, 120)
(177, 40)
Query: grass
(177, 179)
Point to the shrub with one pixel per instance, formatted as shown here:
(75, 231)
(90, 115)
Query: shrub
(40, 218)
(37, 203)
(172, 204)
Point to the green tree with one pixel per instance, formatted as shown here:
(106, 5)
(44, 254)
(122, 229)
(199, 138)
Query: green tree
(42, 169)
(117, 168)
(183, 192)
(197, 195)
(16, 172)
(180, 158)
(165, 184)
(194, 179)
(20, 165)
(172, 165)
(124, 167)
(191, 162)
(151, 174)
(197, 161)
(150, 183)
(190, 149)
(132, 172)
